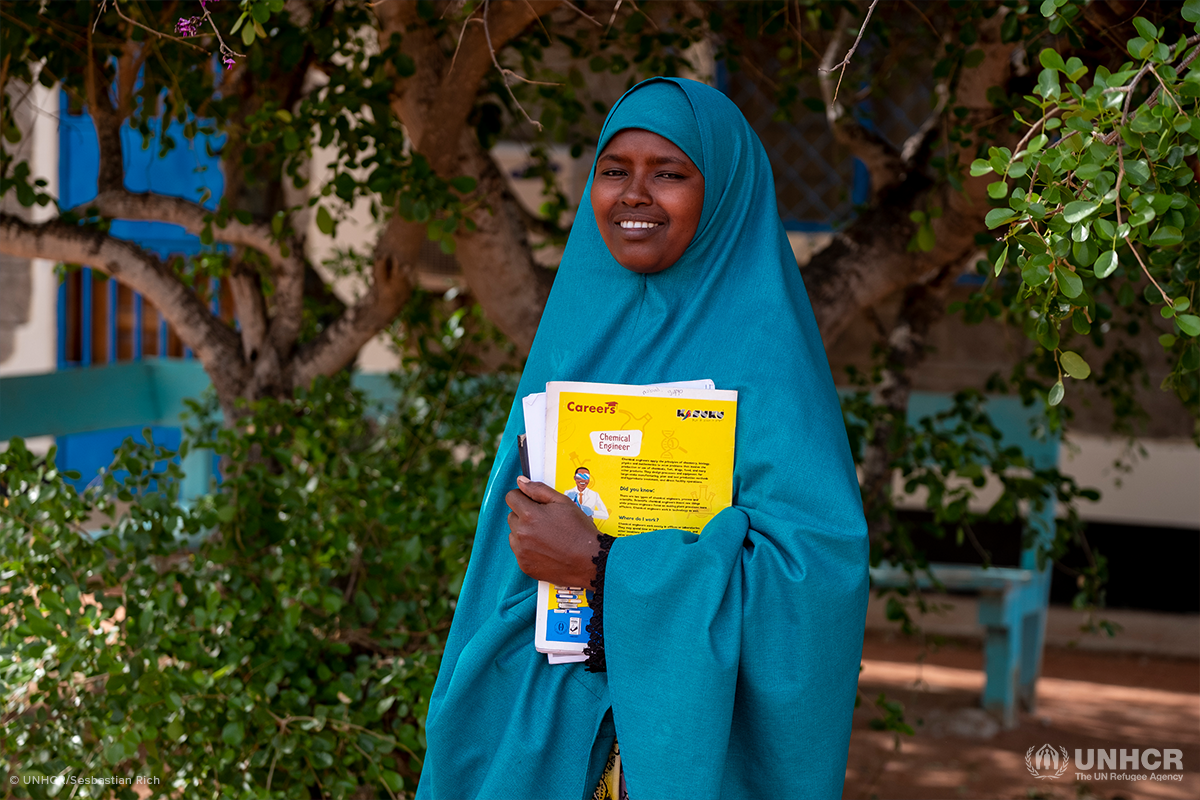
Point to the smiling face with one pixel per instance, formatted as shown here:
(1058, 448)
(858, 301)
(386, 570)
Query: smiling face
(647, 196)
(582, 478)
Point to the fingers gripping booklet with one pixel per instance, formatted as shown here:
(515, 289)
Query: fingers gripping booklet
(634, 459)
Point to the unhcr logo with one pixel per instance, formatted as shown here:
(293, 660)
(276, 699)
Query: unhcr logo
(1047, 762)
(1094, 765)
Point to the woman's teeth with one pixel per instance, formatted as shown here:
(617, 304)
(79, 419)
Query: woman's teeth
(633, 225)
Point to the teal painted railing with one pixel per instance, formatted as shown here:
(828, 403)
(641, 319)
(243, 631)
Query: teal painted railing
(145, 393)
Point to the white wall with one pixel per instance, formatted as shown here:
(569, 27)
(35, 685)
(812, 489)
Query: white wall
(36, 341)
(1162, 488)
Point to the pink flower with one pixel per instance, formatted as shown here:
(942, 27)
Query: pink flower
(228, 61)
(188, 26)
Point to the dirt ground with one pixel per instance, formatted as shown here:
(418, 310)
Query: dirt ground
(1085, 700)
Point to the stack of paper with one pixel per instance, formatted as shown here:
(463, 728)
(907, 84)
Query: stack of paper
(634, 459)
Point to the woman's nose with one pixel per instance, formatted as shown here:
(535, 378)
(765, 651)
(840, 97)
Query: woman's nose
(636, 193)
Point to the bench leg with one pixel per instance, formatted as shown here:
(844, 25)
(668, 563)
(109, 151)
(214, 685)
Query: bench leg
(1001, 663)
(1033, 632)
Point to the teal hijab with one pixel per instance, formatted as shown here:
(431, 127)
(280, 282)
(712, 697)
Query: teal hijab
(732, 656)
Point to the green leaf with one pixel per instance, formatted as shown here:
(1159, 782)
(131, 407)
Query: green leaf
(392, 779)
(1145, 27)
(233, 733)
(1069, 283)
(324, 221)
(1079, 210)
(1166, 236)
(997, 190)
(926, 240)
(1000, 261)
(1191, 10)
(1106, 264)
(1137, 171)
(248, 35)
(1047, 334)
(1139, 48)
(1056, 393)
(1050, 59)
(1075, 69)
(981, 167)
(1047, 85)
(1074, 364)
(1139, 218)
(999, 216)
(1188, 323)
(464, 184)
(1085, 252)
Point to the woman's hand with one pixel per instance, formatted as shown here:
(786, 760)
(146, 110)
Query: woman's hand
(551, 537)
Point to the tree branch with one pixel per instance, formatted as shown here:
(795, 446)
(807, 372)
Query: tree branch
(434, 104)
(284, 325)
(391, 286)
(250, 309)
(864, 263)
(881, 159)
(213, 342)
(845, 62)
(107, 120)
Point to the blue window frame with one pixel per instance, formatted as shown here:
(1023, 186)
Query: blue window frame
(100, 321)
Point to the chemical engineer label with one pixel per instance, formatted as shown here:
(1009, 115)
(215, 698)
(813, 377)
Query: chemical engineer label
(617, 443)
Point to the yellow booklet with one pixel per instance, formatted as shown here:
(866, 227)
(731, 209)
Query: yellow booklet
(634, 459)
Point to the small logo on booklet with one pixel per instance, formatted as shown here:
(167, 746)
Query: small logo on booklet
(687, 413)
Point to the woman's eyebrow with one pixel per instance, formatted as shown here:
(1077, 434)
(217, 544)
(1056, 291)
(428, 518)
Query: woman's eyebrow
(654, 161)
(670, 160)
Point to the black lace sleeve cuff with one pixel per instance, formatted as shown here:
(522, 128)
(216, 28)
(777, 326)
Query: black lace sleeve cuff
(595, 646)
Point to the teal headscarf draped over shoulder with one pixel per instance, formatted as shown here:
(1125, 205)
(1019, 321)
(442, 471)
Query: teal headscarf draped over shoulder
(732, 657)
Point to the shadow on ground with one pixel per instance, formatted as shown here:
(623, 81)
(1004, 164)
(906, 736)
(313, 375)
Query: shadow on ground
(1086, 701)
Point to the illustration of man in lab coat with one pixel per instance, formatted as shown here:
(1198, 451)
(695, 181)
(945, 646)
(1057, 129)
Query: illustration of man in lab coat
(586, 498)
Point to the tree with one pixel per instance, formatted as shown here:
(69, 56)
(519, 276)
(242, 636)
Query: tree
(412, 94)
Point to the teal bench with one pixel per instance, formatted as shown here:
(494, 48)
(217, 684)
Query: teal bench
(1012, 600)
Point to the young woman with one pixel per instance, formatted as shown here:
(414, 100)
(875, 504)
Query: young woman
(724, 665)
